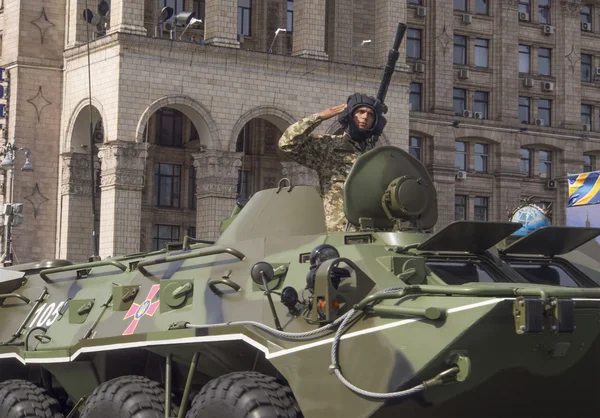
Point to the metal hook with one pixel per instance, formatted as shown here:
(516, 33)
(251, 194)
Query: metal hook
(280, 185)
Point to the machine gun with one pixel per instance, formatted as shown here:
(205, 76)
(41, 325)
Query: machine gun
(390, 66)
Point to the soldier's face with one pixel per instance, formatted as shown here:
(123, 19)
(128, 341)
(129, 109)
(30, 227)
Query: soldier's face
(364, 117)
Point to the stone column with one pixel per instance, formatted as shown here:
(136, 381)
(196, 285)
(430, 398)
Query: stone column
(443, 175)
(221, 23)
(309, 29)
(76, 32)
(439, 71)
(505, 61)
(299, 175)
(121, 209)
(127, 16)
(388, 13)
(216, 190)
(567, 64)
(76, 208)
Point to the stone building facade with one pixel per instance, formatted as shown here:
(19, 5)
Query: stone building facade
(185, 122)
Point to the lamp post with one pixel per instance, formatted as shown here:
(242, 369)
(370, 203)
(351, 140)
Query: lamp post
(11, 212)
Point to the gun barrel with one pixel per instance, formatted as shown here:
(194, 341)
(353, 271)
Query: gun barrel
(391, 63)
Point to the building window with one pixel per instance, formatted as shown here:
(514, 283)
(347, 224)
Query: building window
(525, 6)
(459, 101)
(413, 46)
(544, 11)
(544, 61)
(169, 127)
(200, 9)
(481, 52)
(191, 231)
(481, 7)
(164, 234)
(481, 158)
(177, 6)
(460, 5)
(192, 188)
(524, 109)
(460, 155)
(460, 207)
(524, 59)
(415, 147)
(244, 17)
(417, 2)
(586, 67)
(167, 185)
(545, 164)
(290, 16)
(586, 14)
(481, 208)
(460, 50)
(481, 103)
(525, 165)
(242, 185)
(586, 114)
(545, 111)
(415, 97)
(589, 162)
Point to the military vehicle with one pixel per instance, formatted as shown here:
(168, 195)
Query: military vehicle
(279, 318)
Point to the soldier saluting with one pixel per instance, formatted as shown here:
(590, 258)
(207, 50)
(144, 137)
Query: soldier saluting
(332, 156)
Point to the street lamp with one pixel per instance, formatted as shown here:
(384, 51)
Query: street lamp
(11, 212)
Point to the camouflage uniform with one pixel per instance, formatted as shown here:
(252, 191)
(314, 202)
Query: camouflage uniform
(331, 156)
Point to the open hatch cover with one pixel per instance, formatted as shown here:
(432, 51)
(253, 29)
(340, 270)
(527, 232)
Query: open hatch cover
(470, 236)
(552, 240)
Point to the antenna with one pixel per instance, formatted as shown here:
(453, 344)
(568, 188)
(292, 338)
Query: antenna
(95, 256)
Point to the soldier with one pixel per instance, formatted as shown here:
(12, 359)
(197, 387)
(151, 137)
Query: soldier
(332, 156)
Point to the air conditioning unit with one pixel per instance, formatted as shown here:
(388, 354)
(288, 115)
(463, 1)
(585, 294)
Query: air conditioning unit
(597, 71)
(467, 19)
(419, 67)
(539, 122)
(547, 86)
(524, 17)
(528, 82)
(586, 27)
(461, 175)
(551, 184)
(421, 11)
(467, 114)
(587, 127)
(548, 30)
(478, 115)
(463, 73)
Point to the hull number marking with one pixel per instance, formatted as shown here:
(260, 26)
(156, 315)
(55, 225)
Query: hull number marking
(46, 315)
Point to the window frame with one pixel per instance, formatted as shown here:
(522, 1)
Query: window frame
(523, 54)
(457, 46)
(290, 16)
(527, 159)
(192, 199)
(464, 205)
(486, 205)
(177, 121)
(466, 5)
(586, 65)
(455, 98)
(546, 109)
(545, 13)
(175, 185)
(242, 11)
(156, 240)
(416, 145)
(486, 5)
(485, 49)
(481, 155)
(589, 114)
(526, 5)
(415, 94)
(528, 106)
(411, 41)
(589, 166)
(464, 155)
(546, 163)
(478, 102)
(548, 58)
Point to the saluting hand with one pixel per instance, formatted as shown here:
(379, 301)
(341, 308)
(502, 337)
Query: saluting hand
(332, 111)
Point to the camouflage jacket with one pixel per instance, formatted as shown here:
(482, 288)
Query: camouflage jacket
(331, 156)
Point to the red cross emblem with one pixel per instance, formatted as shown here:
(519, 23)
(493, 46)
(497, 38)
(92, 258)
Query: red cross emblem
(138, 311)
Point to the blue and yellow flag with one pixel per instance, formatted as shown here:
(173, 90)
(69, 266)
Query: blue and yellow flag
(584, 189)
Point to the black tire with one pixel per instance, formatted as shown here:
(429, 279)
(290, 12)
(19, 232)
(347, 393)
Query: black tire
(244, 395)
(127, 397)
(23, 399)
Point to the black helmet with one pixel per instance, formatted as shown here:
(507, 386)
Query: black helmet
(346, 120)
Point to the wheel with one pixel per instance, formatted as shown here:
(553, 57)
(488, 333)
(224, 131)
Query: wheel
(244, 395)
(127, 397)
(23, 399)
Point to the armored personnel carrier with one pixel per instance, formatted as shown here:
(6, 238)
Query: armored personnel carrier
(279, 318)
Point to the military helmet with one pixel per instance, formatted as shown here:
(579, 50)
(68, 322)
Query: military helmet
(355, 101)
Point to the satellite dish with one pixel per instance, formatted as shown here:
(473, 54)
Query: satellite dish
(165, 14)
